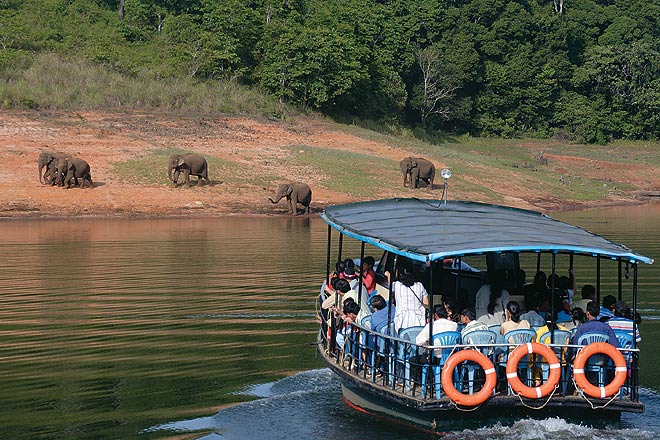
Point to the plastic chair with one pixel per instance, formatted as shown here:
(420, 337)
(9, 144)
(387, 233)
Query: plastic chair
(495, 328)
(477, 337)
(406, 351)
(517, 337)
(597, 365)
(364, 337)
(382, 349)
(625, 341)
(447, 339)
(560, 337)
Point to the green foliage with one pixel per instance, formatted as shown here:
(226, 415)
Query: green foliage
(515, 67)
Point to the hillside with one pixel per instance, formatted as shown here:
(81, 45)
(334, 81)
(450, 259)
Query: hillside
(249, 157)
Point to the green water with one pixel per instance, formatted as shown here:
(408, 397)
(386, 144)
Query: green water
(109, 327)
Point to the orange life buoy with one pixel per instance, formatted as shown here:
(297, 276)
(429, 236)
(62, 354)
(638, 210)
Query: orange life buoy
(512, 370)
(448, 371)
(619, 377)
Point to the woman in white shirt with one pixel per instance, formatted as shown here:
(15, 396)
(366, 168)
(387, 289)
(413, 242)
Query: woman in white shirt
(411, 300)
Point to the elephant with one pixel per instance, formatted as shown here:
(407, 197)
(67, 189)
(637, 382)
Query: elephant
(190, 164)
(73, 169)
(295, 193)
(417, 168)
(47, 158)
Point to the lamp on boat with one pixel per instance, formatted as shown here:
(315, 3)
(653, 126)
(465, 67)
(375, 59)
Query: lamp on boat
(446, 174)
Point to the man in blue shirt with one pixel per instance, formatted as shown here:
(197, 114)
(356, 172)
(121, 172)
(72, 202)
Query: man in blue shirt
(594, 325)
(380, 315)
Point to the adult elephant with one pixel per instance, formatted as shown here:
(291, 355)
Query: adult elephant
(417, 168)
(295, 193)
(74, 168)
(47, 158)
(189, 164)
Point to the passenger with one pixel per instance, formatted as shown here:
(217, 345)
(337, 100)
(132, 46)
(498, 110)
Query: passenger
(339, 271)
(440, 324)
(577, 318)
(347, 317)
(350, 275)
(411, 302)
(451, 306)
(340, 287)
(594, 325)
(379, 317)
(622, 321)
(536, 290)
(369, 275)
(491, 298)
(512, 318)
(607, 309)
(468, 318)
(532, 316)
(588, 294)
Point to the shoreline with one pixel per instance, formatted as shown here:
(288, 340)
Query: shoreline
(242, 214)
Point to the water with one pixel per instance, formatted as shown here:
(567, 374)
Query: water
(202, 329)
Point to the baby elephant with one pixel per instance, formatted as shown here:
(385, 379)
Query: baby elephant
(190, 164)
(295, 193)
(74, 169)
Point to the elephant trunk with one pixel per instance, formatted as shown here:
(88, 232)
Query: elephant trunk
(41, 167)
(275, 201)
(169, 172)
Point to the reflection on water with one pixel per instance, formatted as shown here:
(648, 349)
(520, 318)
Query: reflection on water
(110, 327)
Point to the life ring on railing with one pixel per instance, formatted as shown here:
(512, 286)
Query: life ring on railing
(512, 370)
(448, 382)
(619, 377)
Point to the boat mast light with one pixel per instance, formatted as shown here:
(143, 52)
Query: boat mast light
(446, 174)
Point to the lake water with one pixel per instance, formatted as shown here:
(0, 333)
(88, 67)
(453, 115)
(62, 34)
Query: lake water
(157, 328)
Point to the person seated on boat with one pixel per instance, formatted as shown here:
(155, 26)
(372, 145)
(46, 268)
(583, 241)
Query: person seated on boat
(381, 314)
(607, 309)
(411, 302)
(549, 326)
(567, 284)
(588, 294)
(451, 306)
(350, 275)
(346, 317)
(534, 291)
(369, 275)
(440, 324)
(338, 273)
(622, 320)
(493, 294)
(532, 315)
(512, 319)
(594, 325)
(468, 318)
(577, 318)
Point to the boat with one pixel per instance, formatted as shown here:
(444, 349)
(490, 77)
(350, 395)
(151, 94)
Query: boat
(452, 247)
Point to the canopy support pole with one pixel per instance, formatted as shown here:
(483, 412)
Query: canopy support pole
(598, 279)
(620, 282)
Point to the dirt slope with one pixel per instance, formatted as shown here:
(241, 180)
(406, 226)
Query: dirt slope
(105, 138)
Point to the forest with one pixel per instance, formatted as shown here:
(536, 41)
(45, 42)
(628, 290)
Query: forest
(580, 70)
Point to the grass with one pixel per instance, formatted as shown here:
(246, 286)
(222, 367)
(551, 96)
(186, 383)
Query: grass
(50, 82)
(357, 174)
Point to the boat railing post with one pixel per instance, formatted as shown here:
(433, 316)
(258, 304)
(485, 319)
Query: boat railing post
(620, 281)
(360, 285)
(388, 343)
(598, 279)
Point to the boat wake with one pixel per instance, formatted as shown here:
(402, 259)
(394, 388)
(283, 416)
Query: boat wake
(310, 404)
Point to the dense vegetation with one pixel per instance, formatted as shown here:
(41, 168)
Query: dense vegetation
(587, 70)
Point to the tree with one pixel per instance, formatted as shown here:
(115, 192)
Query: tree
(435, 92)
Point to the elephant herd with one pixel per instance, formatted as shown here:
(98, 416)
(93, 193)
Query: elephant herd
(63, 170)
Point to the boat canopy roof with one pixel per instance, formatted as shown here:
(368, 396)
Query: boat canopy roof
(430, 230)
